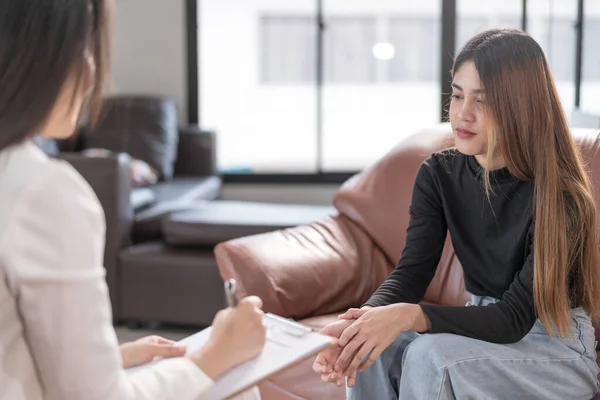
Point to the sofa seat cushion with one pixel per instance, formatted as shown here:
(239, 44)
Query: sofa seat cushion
(142, 198)
(300, 382)
(321, 321)
(188, 189)
(159, 283)
(219, 221)
(175, 195)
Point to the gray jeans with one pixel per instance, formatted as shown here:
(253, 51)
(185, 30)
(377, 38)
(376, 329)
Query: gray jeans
(447, 366)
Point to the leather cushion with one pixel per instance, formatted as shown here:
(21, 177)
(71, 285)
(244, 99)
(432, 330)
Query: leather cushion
(175, 195)
(189, 189)
(144, 127)
(197, 155)
(142, 198)
(378, 198)
(219, 221)
(319, 268)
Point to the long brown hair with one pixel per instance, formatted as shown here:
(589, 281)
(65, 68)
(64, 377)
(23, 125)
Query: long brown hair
(43, 43)
(527, 125)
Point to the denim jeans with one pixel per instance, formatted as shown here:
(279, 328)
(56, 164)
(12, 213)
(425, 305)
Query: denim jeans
(448, 366)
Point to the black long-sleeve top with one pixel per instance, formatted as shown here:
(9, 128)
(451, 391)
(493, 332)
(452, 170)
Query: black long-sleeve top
(493, 239)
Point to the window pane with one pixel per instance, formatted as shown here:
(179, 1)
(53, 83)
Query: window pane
(552, 25)
(590, 84)
(415, 61)
(348, 44)
(476, 16)
(257, 87)
(288, 49)
(382, 77)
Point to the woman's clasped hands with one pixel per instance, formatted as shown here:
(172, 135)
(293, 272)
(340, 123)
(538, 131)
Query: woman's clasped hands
(363, 335)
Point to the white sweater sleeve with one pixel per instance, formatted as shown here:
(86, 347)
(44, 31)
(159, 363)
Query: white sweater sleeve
(54, 247)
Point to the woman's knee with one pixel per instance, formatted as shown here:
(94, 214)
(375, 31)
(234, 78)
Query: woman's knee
(389, 361)
(381, 380)
(435, 350)
(392, 355)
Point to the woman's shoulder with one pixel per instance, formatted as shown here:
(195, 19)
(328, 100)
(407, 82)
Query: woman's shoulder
(438, 168)
(30, 179)
(25, 165)
(443, 162)
(53, 226)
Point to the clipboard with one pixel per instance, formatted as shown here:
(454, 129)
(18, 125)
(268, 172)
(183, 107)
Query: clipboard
(288, 343)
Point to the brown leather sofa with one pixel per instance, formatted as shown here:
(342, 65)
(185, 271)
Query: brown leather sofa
(312, 272)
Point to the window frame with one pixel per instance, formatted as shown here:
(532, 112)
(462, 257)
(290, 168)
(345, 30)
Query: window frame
(448, 33)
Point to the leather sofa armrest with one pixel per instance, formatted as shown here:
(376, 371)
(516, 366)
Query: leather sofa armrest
(309, 270)
(197, 154)
(110, 179)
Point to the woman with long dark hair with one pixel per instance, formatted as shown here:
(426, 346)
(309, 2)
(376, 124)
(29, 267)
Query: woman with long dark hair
(517, 203)
(56, 336)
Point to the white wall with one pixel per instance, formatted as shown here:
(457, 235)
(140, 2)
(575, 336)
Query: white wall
(149, 50)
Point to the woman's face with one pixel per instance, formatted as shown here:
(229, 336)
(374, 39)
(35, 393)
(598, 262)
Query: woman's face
(62, 121)
(467, 115)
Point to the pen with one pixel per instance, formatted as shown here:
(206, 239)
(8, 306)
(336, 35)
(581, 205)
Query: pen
(231, 292)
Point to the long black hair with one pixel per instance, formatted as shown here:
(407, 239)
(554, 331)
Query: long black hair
(43, 43)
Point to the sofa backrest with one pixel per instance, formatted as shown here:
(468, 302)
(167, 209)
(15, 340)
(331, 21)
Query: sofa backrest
(145, 127)
(378, 199)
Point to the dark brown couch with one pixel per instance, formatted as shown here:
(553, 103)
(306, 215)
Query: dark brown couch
(160, 238)
(312, 272)
(147, 128)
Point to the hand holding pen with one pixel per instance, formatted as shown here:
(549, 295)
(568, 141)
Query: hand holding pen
(238, 333)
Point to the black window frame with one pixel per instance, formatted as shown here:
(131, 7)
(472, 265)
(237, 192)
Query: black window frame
(447, 49)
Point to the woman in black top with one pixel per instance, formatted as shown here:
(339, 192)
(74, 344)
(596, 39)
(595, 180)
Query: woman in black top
(516, 200)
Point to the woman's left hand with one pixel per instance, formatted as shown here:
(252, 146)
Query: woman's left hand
(144, 350)
(373, 331)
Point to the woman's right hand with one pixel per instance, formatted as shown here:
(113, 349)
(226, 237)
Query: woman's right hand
(240, 330)
(238, 336)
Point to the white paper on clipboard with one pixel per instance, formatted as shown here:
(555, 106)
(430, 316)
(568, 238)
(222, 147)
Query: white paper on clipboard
(287, 343)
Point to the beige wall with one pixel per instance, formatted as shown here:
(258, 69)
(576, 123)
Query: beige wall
(149, 49)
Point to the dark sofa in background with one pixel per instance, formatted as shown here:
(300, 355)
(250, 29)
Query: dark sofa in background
(159, 259)
(147, 128)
